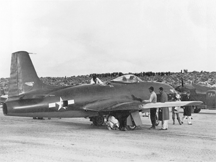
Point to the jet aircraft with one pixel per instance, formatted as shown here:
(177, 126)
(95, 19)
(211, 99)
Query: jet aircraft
(199, 93)
(28, 96)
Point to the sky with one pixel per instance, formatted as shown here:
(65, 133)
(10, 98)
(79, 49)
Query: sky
(78, 37)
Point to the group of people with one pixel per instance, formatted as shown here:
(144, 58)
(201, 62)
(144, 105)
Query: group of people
(163, 113)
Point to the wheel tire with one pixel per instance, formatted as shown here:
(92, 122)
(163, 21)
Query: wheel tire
(98, 120)
(197, 110)
(131, 127)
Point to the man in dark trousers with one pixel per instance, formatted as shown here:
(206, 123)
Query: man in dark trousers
(152, 99)
(163, 113)
(187, 109)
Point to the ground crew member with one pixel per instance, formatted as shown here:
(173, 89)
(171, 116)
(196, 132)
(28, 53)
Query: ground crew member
(112, 123)
(187, 109)
(152, 99)
(163, 113)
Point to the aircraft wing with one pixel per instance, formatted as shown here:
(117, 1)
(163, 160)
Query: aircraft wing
(135, 105)
(170, 104)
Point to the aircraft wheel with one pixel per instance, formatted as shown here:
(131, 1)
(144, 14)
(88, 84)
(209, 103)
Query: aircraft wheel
(197, 109)
(131, 127)
(98, 120)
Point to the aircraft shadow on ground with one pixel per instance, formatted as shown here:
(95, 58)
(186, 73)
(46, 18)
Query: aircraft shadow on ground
(76, 124)
(87, 125)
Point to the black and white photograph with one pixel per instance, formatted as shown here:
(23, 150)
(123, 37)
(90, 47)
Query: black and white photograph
(108, 80)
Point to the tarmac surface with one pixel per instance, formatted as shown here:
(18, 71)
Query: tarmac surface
(68, 140)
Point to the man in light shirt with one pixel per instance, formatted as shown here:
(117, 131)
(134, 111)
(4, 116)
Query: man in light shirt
(152, 99)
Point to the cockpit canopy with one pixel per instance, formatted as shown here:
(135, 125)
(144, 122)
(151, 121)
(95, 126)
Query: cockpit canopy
(128, 78)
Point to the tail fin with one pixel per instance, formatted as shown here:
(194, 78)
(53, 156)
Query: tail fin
(23, 77)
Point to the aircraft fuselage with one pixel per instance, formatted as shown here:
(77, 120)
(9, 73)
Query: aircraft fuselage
(77, 101)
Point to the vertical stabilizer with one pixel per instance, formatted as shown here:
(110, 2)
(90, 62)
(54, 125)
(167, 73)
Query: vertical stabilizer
(23, 77)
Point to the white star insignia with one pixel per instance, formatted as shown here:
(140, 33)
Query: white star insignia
(60, 103)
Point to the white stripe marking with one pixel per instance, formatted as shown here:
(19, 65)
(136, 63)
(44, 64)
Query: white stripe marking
(70, 102)
(52, 105)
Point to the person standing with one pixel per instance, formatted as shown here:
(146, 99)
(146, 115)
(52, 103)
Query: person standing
(187, 109)
(152, 99)
(163, 113)
(175, 110)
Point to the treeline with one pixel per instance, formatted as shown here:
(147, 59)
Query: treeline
(171, 78)
(141, 74)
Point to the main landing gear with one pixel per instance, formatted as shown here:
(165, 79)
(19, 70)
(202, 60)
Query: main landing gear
(132, 125)
(97, 120)
(120, 120)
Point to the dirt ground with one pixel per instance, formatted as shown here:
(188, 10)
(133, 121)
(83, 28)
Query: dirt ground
(68, 140)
